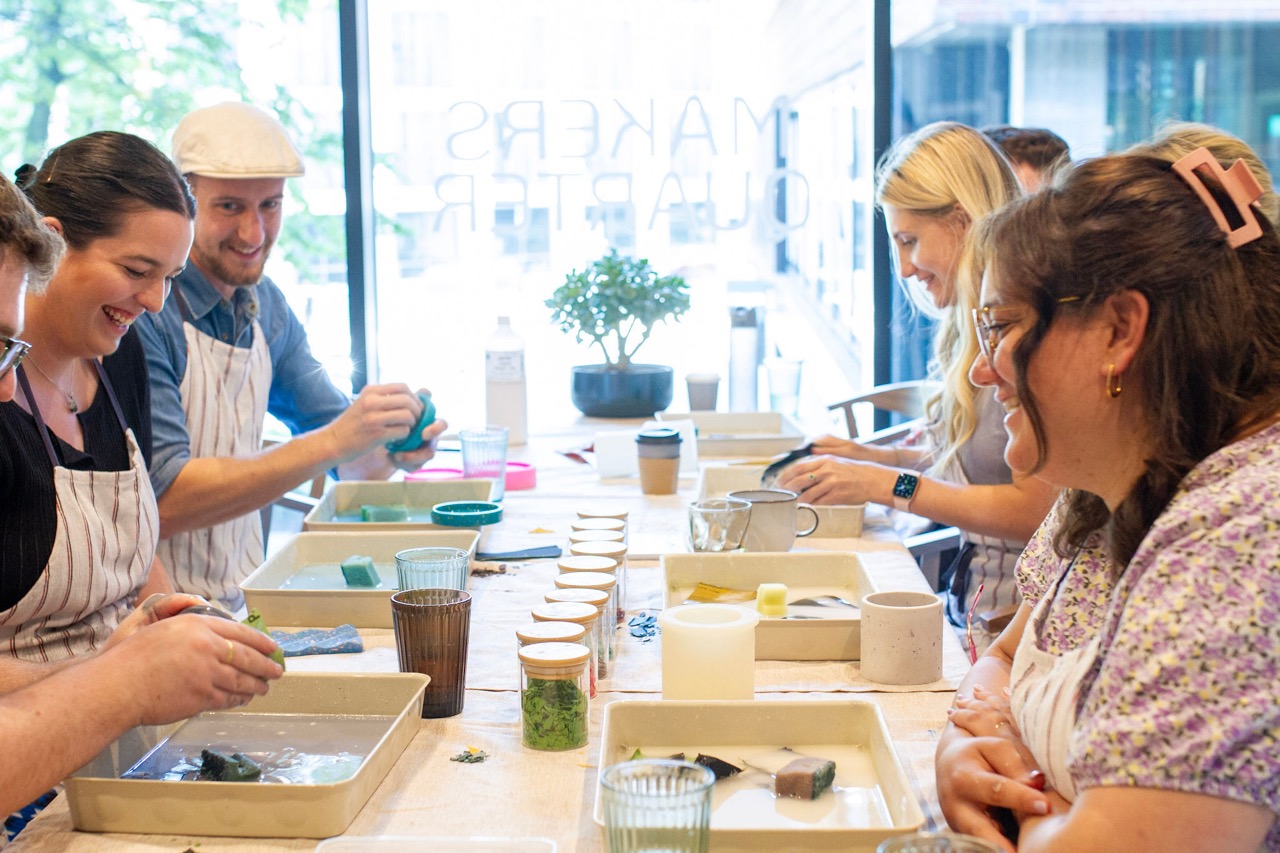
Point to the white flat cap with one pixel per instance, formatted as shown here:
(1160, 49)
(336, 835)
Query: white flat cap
(235, 140)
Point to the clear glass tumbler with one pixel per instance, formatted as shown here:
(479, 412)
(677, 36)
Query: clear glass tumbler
(718, 524)
(432, 568)
(657, 804)
(484, 455)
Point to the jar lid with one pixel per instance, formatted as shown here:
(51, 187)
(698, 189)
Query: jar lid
(596, 597)
(604, 512)
(586, 580)
(595, 536)
(466, 513)
(566, 611)
(658, 435)
(617, 550)
(551, 632)
(599, 524)
(555, 654)
(587, 563)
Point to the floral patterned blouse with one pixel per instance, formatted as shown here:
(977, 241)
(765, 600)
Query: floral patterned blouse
(1185, 694)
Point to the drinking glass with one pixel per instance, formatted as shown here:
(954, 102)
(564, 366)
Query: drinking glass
(657, 805)
(484, 454)
(718, 524)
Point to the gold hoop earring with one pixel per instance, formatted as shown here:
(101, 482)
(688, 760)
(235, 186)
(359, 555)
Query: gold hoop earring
(1113, 382)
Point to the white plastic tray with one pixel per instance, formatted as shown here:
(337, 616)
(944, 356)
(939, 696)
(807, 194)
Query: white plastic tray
(339, 509)
(740, 434)
(873, 799)
(100, 801)
(836, 633)
(338, 604)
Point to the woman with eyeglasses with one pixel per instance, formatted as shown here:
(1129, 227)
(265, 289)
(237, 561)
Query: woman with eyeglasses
(1130, 320)
(78, 535)
(932, 185)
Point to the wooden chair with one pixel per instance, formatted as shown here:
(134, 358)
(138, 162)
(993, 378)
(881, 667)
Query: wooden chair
(303, 499)
(904, 398)
(935, 549)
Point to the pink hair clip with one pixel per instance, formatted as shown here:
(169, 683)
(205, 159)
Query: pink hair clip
(1238, 182)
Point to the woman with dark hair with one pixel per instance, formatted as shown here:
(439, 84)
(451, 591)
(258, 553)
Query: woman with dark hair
(1130, 326)
(77, 539)
(189, 663)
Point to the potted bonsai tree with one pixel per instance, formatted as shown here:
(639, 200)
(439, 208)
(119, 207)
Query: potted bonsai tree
(615, 302)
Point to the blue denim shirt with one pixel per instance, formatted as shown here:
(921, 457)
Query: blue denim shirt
(301, 395)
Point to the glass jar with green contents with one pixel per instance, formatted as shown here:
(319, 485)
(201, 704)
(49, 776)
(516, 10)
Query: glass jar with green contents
(554, 687)
(581, 613)
(607, 583)
(601, 599)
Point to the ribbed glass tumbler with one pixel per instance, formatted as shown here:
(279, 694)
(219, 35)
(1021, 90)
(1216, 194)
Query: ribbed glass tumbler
(432, 629)
(657, 804)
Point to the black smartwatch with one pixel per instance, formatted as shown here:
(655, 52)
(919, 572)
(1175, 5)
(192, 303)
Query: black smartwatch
(904, 490)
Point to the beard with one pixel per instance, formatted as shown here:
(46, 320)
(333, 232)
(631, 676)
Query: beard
(232, 273)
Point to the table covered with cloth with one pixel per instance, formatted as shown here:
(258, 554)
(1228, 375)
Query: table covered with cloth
(519, 792)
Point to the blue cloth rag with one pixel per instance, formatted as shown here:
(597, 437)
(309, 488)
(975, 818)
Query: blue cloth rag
(314, 641)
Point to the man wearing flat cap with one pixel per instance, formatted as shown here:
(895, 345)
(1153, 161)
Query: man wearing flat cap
(226, 349)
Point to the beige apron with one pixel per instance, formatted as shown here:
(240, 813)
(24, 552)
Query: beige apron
(1045, 695)
(107, 528)
(224, 395)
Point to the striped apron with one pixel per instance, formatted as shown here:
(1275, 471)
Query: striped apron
(224, 396)
(107, 528)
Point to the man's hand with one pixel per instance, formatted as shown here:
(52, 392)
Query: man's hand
(380, 414)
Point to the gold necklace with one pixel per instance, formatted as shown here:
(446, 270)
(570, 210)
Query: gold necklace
(72, 405)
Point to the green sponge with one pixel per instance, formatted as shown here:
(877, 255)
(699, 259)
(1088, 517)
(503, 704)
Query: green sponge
(391, 512)
(255, 620)
(359, 571)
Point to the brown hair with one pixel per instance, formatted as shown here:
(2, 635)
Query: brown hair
(92, 182)
(22, 232)
(1209, 365)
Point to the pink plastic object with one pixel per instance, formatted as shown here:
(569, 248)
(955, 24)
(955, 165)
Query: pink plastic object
(1241, 186)
(434, 474)
(521, 475)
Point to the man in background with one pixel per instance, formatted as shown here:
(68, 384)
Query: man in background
(1034, 152)
(227, 349)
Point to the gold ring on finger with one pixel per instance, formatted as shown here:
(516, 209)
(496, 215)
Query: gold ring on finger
(812, 477)
(231, 652)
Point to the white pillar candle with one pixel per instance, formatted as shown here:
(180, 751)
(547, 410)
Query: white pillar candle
(708, 652)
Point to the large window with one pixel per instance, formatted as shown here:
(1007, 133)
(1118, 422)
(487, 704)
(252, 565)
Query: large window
(725, 140)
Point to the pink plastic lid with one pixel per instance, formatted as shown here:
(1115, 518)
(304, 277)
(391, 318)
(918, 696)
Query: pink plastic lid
(433, 474)
(521, 475)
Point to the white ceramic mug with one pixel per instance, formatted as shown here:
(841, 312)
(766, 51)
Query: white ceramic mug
(773, 519)
(902, 637)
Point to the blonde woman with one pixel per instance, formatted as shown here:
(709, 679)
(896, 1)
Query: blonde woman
(932, 186)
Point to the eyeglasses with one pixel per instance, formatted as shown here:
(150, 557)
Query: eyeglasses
(12, 354)
(991, 328)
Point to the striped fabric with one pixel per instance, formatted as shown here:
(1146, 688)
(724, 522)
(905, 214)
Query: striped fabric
(224, 394)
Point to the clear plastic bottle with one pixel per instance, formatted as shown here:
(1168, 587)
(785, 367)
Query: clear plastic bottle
(505, 387)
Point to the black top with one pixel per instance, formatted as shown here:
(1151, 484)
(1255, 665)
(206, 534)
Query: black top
(28, 516)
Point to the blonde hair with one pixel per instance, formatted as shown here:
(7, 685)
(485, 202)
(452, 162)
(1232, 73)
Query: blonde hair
(1176, 139)
(930, 172)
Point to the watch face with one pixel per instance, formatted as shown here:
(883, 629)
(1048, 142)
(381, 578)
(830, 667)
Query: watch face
(906, 485)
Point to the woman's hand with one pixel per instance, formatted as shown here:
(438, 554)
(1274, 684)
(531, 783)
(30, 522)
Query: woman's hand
(829, 445)
(977, 774)
(180, 666)
(830, 480)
